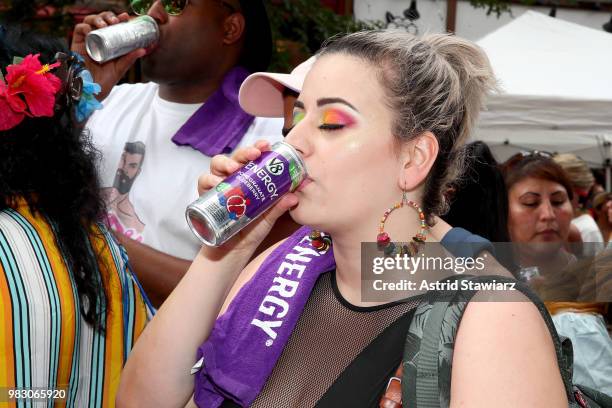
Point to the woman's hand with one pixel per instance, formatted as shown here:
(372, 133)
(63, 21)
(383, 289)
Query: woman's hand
(221, 167)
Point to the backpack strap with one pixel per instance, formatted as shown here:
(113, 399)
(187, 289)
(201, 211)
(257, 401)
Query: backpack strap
(428, 350)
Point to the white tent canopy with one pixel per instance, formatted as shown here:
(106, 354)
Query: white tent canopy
(556, 80)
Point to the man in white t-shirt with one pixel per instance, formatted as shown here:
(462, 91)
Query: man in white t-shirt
(156, 138)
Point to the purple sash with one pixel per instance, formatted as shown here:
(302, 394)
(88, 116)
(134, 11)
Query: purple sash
(247, 340)
(218, 125)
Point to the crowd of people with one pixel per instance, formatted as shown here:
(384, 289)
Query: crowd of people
(107, 295)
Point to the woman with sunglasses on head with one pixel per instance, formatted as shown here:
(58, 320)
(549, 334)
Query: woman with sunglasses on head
(540, 213)
(540, 209)
(381, 116)
(70, 309)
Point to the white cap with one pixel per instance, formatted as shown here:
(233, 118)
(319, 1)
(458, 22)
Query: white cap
(261, 94)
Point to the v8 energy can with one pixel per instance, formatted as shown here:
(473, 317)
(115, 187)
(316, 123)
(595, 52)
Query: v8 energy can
(223, 211)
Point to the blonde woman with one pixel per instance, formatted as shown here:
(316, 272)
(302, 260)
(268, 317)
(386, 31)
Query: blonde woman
(381, 114)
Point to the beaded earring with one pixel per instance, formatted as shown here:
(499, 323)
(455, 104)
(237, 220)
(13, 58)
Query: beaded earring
(319, 240)
(384, 240)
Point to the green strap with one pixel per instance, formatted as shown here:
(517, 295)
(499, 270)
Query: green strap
(427, 394)
(427, 384)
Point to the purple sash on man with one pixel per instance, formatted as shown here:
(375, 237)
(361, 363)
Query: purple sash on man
(220, 123)
(247, 340)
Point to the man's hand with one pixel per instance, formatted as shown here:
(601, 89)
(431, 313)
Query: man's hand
(109, 73)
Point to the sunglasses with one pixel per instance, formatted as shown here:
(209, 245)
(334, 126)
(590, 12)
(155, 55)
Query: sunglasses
(525, 155)
(172, 7)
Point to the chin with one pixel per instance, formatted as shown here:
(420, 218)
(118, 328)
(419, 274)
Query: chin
(546, 248)
(297, 215)
(304, 215)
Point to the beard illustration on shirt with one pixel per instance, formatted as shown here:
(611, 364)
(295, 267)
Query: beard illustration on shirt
(123, 182)
(122, 215)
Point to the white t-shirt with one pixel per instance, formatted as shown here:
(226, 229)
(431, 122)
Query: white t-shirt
(590, 233)
(147, 193)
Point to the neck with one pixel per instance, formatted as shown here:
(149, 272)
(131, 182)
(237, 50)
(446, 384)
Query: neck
(401, 226)
(196, 90)
(191, 92)
(547, 264)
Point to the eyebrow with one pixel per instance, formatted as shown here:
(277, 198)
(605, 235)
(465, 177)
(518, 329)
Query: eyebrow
(559, 192)
(325, 101)
(554, 193)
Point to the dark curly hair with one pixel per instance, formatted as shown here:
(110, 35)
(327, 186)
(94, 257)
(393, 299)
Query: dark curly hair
(51, 163)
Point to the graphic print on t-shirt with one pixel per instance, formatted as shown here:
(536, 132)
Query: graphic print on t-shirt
(121, 216)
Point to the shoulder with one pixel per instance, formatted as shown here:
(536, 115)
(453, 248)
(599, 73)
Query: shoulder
(124, 95)
(134, 90)
(13, 235)
(504, 352)
(110, 253)
(585, 222)
(20, 230)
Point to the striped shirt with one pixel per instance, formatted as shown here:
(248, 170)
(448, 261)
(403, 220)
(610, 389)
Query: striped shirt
(44, 340)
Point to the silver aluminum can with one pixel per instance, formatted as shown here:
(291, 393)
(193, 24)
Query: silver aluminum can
(223, 211)
(114, 41)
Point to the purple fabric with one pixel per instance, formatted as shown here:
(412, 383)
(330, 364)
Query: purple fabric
(249, 337)
(218, 125)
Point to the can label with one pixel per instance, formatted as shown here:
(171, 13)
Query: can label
(223, 211)
(257, 184)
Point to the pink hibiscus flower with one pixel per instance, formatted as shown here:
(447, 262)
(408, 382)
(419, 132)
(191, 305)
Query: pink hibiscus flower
(33, 80)
(12, 108)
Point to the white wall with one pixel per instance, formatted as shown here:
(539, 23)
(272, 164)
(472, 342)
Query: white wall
(472, 23)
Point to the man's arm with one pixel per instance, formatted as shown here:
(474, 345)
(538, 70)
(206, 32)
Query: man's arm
(159, 273)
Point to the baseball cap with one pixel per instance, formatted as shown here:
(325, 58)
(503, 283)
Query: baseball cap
(257, 50)
(261, 94)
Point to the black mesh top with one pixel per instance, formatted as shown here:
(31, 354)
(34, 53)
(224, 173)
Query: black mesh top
(328, 337)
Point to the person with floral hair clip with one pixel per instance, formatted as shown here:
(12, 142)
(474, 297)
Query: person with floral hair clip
(70, 308)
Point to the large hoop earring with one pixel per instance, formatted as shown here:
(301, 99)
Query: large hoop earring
(410, 249)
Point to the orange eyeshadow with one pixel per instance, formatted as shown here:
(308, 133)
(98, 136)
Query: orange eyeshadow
(337, 117)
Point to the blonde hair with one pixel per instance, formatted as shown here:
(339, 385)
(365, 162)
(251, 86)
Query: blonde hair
(576, 169)
(436, 83)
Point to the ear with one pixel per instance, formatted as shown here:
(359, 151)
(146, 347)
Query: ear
(418, 156)
(233, 28)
